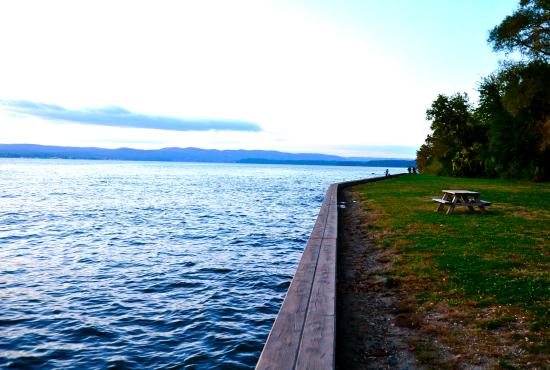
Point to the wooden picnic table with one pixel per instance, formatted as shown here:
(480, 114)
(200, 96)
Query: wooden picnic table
(460, 198)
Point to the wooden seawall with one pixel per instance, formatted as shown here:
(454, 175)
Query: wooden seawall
(303, 335)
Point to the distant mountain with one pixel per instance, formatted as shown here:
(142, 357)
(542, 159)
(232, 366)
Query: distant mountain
(369, 163)
(191, 155)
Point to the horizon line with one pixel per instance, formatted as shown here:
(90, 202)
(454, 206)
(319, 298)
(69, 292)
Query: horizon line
(213, 149)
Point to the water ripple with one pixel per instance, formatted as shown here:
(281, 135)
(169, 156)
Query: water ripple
(138, 265)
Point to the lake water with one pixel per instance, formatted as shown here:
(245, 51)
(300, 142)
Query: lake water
(107, 264)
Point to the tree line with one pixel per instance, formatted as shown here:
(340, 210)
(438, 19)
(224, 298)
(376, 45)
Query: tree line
(507, 133)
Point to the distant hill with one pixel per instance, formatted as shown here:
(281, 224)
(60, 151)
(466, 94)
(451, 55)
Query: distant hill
(368, 163)
(193, 155)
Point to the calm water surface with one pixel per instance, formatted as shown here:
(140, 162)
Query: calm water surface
(108, 264)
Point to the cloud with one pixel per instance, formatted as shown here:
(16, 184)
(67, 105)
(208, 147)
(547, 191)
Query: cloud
(120, 117)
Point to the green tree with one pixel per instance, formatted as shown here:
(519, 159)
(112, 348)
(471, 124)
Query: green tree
(469, 161)
(527, 30)
(514, 105)
(508, 134)
(424, 156)
(453, 148)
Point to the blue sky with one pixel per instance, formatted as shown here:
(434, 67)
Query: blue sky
(342, 77)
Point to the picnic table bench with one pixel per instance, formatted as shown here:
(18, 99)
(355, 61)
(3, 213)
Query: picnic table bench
(460, 198)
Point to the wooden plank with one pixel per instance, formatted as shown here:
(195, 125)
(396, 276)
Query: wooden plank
(281, 347)
(333, 194)
(282, 344)
(462, 204)
(329, 195)
(318, 342)
(303, 335)
(333, 189)
(456, 192)
(319, 227)
(331, 228)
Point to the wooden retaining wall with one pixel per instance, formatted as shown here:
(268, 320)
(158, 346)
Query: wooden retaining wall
(303, 335)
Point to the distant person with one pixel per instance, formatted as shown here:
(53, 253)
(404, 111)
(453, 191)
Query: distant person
(414, 170)
(387, 172)
(409, 169)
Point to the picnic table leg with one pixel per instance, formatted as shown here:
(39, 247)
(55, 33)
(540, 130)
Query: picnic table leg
(480, 206)
(451, 209)
(441, 206)
(452, 205)
(471, 208)
(463, 199)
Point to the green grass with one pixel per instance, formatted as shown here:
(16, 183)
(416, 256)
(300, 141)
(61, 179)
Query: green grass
(468, 259)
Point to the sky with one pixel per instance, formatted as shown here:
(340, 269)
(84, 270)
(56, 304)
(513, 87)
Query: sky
(346, 77)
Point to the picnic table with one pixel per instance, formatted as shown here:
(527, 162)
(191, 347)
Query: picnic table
(460, 198)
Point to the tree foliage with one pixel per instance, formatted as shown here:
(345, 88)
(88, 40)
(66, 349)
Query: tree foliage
(515, 106)
(508, 133)
(527, 30)
(457, 138)
(450, 118)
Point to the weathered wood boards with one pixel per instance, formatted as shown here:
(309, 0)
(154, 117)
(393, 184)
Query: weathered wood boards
(317, 346)
(283, 343)
(304, 332)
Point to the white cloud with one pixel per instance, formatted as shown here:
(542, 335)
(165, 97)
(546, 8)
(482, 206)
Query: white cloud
(120, 117)
(308, 83)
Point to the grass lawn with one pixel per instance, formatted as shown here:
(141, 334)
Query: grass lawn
(479, 282)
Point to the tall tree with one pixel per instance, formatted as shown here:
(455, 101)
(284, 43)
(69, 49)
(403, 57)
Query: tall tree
(515, 106)
(527, 30)
(451, 148)
(508, 134)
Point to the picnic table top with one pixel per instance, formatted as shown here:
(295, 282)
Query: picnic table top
(465, 192)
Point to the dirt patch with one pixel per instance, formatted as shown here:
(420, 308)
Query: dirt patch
(376, 326)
